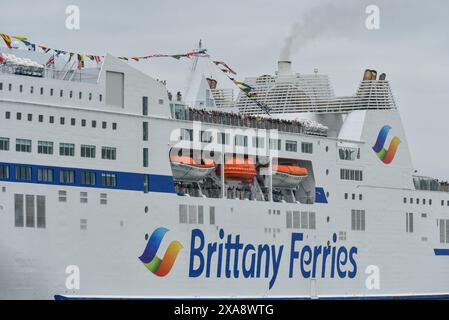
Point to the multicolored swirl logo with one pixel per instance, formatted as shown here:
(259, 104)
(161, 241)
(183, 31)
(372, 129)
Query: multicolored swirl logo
(386, 156)
(160, 267)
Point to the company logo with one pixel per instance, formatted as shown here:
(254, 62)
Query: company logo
(386, 156)
(160, 267)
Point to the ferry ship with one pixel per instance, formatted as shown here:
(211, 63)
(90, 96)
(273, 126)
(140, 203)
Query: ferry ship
(113, 187)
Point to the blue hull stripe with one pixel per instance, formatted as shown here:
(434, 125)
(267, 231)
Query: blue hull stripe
(441, 252)
(124, 180)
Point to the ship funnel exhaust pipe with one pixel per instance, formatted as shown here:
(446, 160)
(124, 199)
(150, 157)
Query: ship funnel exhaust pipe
(284, 68)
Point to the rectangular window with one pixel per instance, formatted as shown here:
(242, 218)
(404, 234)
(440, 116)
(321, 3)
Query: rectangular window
(350, 154)
(192, 214)
(241, 140)
(87, 151)
(23, 173)
(145, 106)
(304, 220)
(358, 220)
(114, 126)
(44, 175)
(108, 180)
(30, 117)
(62, 196)
(88, 178)
(67, 176)
(45, 147)
(200, 215)
(108, 153)
(4, 144)
(23, 145)
(94, 124)
(62, 120)
(83, 197)
(72, 121)
(312, 220)
(258, 142)
(223, 138)
(40, 211)
(18, 210)
(29, 211)
(41, 118)
(409, 222)
(104, 124)
(145, 130)
(182, 213)
(83, 122)
(145, 157)
(306, 147)
(206, 136)
(103, 198)
(7, 115)
(67, 149)
(291, 146)
(352, 175)
(18, 116)
(275, 144)
(4, 172)
(296, 220)
(289, 216)
(51, 119)
(186, 134)
(212, 215)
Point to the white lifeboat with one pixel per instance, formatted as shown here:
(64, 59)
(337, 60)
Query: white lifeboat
(186, 168)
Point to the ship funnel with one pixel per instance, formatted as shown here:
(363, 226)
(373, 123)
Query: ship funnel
(284, 68)
(374, 73)
(368, 75)
(383, 77)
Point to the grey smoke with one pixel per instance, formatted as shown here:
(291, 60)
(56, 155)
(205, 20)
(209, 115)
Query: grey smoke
(331, 19)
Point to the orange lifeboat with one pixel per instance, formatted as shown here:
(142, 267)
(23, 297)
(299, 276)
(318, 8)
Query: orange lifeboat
(288, 176)
(239, 169)
(190, 169)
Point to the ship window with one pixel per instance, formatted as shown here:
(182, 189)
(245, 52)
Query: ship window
(30, 117)
(23, 145)
(4, 144)
(31, 89)
(346, 196)
(200, 215)
(206, 136)
(44, 175)
(448, 203)
(182, 213)
(40, 211)
(94, 124)
(18, 210)
(360, 197)
(67, 149)
(51, 92)
(161, 101)
(61, 93)
(417, 200)
(21, 88)
(145, 131)
(114, 126)
(275, 144)
(442, 203)
(23, 173)
(304, 220)
(71, 94)
(444, 231)
(223, 138)
(145, 157)
(41, 118)
(90, 96)
(10, 87)
(29, 211)
(289, 220)
(241, 140)
(45, 147)
(353, 196)
(405, 200)
(100, 97)
(212, 215)
(104, 198)
(18, 116)
(1, 85)
(409, 222)
(73, 121)
(352, 175)
(108, 153)
(192, 214)
(42, 91)
(350, 154)
(62, 196)
(291, 146)
(51, 119)
(83, 122)
(80, 95)
(430, 202)
(145, 106)
(258, 142)
(186, 134)
(296, 220)
(67, 176)
(83, 197)
(358, 220)
(109, 179)
(312, 220)
(7, 115)
(62, 120)
(145, 184)
(104, 124)
(411, 200)
(4, 172)
(88, 178)
(423, 201)
(87, 151)
(306, 147)
(83, 224)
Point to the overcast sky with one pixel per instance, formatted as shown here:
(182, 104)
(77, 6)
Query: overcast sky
(412, 46)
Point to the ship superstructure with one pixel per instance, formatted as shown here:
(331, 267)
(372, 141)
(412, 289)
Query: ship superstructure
(113, 187)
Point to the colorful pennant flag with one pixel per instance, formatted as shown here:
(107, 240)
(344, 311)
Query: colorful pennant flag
(51, 61)
(7, 40)
(227, 68)
(80, 61)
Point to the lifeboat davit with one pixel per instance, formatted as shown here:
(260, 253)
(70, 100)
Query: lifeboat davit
(288, 176)
(240, 170)
(188, 169)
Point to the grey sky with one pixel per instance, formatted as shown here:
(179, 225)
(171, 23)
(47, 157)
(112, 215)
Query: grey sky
(412, 46)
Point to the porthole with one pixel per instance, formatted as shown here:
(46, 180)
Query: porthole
(146, 236)
(146, 209)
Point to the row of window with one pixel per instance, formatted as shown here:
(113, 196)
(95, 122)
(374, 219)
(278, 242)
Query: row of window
(66, 176)
(301, 220)
(62, 120)
(29, 211)
(192, 214)
(65, 149)
(242, 141)
(422, 201)
(350, 174)
(62, 197)
(53, 92)
(353, 196)
(358, 220)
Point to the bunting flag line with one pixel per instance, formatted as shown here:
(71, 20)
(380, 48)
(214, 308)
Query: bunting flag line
(51, 61)
(227, 68)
